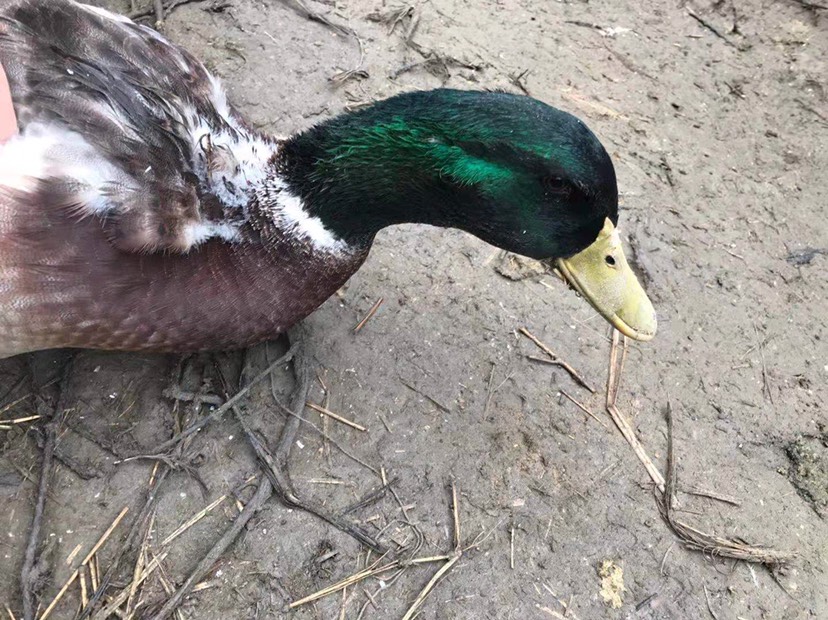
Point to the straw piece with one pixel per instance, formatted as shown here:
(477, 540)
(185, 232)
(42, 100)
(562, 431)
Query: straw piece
(59, 595)
(28, 418)
(585, 410)
(445, 568)
(368, 316)
(555, 359)
(335, 416)
(192, 521)
(106, 535)
(613, 380)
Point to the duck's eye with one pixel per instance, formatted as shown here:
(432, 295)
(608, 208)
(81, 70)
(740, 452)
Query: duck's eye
(610, 260)
(557, 186)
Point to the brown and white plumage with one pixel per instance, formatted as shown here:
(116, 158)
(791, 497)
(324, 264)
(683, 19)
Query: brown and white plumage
(138, 211)
(129, 199)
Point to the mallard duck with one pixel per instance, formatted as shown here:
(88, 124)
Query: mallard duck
(139, 211)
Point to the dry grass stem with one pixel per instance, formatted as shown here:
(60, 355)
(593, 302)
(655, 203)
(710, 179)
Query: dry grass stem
(9, 611)
(709, 604)
(13, 404)
(348, 581)
(555, 359)
(77, 571)
(551, 612)
(584, 409)
(368, 316)
(27, 418)
(613, 380)
(192, 521)
(71, 557)
(84, 591)
(93, 576)
(512, 547)
(59, 595)
(711, 495)
(336, 416)
(105, 535)
(697, 540)
(375, 569)
(445, 568)
(113, 607)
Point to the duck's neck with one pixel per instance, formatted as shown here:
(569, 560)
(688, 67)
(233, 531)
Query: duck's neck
(355, 180)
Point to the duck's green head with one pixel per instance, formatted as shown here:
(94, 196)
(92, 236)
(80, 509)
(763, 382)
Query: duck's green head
(509, 169)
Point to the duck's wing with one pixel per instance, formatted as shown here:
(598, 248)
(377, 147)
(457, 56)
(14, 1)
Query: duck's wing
(118, 123)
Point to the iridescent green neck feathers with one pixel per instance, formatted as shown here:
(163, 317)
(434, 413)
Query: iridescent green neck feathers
(509, 169)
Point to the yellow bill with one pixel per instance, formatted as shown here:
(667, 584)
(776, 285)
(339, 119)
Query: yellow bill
(601, 274)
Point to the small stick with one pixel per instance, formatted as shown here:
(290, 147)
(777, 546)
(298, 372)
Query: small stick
(105, 535)
(695, 539)
(71, 556)
(158, 7)
(84, 593)
(140, 564)
(371, 571)
(9, 611)
(348, 581)
(28, 418)
(426, 396)
(28, 576)
(368, 316)
(336, 417)
(445, 568)
(218, 412)
(192, 521)
(263, 493)
(709, 604)
(456, 512)
(123, 595)
(59, 595)
(721, 498)
(93, 576)
(429, 586)
(512, 547)
(585, 410)
(5, 408)
(557, 361)
(489, 392)
(613, 379)
(373, 496)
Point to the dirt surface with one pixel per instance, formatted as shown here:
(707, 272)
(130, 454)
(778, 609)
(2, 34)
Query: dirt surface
(718, 125)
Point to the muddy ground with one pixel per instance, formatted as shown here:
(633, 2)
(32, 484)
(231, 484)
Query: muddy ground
(718, 125)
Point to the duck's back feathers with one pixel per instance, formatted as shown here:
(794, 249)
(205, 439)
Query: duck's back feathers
(118, 123)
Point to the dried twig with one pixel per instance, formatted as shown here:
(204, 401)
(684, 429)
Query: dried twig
(697, 540)
(30, 574)
(704, 23)
(709, 494)
(613, 380)
(263, 493)
(709, 604)
(584, 409)
(217, 413)
(445, 568)
(336, 416)
(371, 571)
(555, 359)
(368, 316)
(104, 537)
